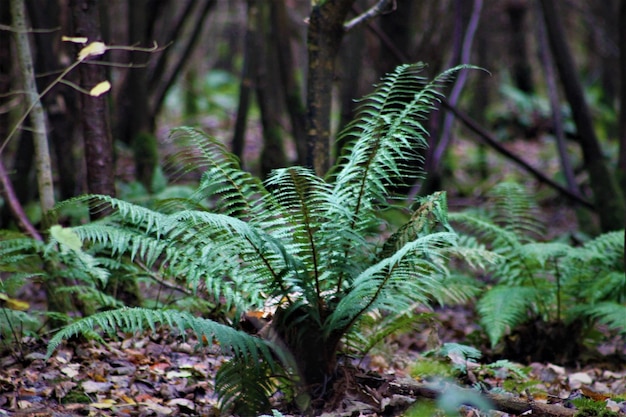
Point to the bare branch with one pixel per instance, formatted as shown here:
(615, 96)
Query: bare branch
(487, 138)
(380, 8)
(15, 206)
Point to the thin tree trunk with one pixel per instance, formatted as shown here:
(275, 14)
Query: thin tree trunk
(608, 197)
(168, 79)
(621, 164)
(273, 153)
(557, 119)
(290, 88)
(94, 111)
(324, 38)
(466, 49)
(521, 68)
(37, 116)
(248, 78)
(60, 101)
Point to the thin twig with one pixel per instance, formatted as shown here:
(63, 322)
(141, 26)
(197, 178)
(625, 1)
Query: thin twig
(16, 206)
(382, 7)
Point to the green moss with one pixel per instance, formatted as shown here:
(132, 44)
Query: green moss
(76, 396)
(427, 367)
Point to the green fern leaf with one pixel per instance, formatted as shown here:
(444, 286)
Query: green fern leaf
(138, 319)
(244, 387)
(503, 308)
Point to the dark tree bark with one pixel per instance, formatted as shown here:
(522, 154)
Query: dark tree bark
(521, 71)
(270, 104)
(621, 164)
(94, 115)
(608, 197)
(5, 87)
(622, 98)
(324, 38)
(248, 78)
(287, 70)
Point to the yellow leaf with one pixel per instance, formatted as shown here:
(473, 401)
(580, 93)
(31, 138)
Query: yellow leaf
(66, 237)
(104, 404)
(100, 89)
(74, 39)
(93, 49)
(14, 304)
(19, 305)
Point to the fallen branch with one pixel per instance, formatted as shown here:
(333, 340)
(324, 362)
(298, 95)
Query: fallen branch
(501, 402)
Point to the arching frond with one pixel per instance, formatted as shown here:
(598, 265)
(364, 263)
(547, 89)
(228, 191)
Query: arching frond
(515, 210)
(385, 140)
(223, 181)
(138, 319)
(394, 283)
(244, 386)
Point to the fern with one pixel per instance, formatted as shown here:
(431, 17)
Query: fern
(305, 247)
(243, 386)
(138, 319)
(503, 308)
(552, 281)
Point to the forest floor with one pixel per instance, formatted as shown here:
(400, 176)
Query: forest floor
(159, 374)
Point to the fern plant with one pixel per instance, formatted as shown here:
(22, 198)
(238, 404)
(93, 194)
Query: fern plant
(307, 248)
(24, 260)
(566, 288)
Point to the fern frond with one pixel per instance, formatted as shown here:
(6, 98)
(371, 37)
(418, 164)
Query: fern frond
(609, 313)
(516, 210)
(396, 283)
(232, 189)
(505, 307)
(244, 387)
(383, 140)
(139, 319)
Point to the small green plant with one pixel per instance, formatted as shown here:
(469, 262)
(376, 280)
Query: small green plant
(306, 248)
(551, 288)
(24, 260)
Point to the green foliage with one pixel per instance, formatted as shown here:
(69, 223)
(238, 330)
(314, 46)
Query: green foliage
(551, 281)
(24, 260)
(305, 247)
(243, 386)
(587, 407)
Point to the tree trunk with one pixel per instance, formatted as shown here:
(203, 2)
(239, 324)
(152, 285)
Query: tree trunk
(273, 153)
(248, 78)
(324, 38)
(60, 101)
(37, 115)
(521, 71)
(621, 164)
(608, 197)
(287, 70)
(94, 114)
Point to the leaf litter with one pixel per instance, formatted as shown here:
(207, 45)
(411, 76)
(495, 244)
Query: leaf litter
(161, 374)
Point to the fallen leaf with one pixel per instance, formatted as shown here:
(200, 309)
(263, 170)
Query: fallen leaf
(580, 378)
(93, 386)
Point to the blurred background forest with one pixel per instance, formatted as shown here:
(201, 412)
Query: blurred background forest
(275, 79)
